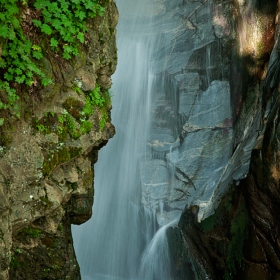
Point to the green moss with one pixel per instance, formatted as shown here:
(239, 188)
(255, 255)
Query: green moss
(60, 227)
(7, 130)
(71, 126)
(47, 124)
(31, 232)
(14, 262)
(103, 120)
(239, 234)
(86, 127)
(74, 121)
(209, 223)
(57, 157)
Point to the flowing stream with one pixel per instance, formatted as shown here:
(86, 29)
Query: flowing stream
(111, 244)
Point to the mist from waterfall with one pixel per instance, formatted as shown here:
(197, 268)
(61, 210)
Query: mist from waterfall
(110, 245)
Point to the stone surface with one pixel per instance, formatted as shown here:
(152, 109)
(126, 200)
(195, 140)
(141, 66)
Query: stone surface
(46, 179)
(238, 241)
(214, 130)
(201, 126)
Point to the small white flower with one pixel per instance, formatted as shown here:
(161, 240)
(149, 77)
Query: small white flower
(31, 196)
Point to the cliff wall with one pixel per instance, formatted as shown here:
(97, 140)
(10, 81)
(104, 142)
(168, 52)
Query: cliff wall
(213, 141)
(48, 145)
(239, 241)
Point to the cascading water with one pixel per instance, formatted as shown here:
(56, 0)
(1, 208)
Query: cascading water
(174, 145)
(155, 262)
(110, 245)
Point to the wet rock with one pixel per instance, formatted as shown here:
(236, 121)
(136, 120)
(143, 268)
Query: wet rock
(189, 85)
(239, 238)
(155, 182)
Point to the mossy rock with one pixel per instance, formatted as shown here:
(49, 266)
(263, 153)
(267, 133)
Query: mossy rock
(58, 157)
(74, 107)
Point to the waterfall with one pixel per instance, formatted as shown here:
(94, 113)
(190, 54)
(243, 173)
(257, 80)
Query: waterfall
(110, 245)
(155, 262)
(175, 144)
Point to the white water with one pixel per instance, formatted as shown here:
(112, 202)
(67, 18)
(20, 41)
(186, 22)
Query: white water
(111, 244)
(155, 262)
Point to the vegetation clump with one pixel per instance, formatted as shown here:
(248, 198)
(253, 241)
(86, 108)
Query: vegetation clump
(74, 120)
(31, 232)
(64, 24)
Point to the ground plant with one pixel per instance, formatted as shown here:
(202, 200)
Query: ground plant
(62, 24)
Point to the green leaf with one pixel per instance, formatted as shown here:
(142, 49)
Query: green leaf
(72, 30)
(61, 119)
(37, 54)
(3, 63)
(80, 14)
(29, 82)
(91, 14)
(3, 17)
(40, 4)
(100, 11)
(68, 49)
(15, 22)
(64, 5)
(37, 23)
(12, 9)
(75, 1)
(66, 22)
(66, 55)
(56, 23)
(20, 79)
(53, 42)
(46, 29)
(52, 7)
(18, 71)
(81, 37)
(4, 31)
(29, 74)
(8, 76)
(36, 48)
(46, 81)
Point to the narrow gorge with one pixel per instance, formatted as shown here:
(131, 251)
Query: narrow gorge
(188, 186)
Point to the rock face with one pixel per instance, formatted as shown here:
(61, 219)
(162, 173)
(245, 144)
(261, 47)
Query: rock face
(239, 241)
(202, 127)
(46, 177)
(213, 137)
